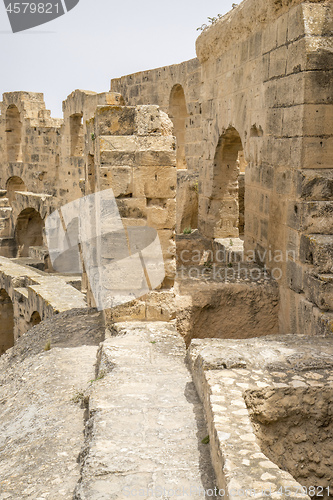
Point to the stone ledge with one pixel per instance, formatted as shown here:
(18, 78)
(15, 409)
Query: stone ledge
(225, 372)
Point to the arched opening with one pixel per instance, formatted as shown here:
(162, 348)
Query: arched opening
(13, 185)
(13, 134)
(35, 319)
(226, 204)
(29, 231)
(178, 114)
(6, 322)
(77, 138)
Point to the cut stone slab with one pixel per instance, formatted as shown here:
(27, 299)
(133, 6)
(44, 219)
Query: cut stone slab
(146, 422)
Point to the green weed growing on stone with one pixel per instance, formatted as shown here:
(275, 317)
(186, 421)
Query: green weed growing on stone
(80, 397)
(47, 346)
(213, 20)
(100, 377)
(187, 230)
(208, 264)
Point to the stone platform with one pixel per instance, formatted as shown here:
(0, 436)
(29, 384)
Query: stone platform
(268, 403)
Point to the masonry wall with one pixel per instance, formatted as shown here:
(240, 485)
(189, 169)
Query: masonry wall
(273, 87)
(264, 89)
(157, 87)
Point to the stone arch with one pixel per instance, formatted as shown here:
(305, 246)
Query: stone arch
(13, 185)
(28, 231)
(13, 134)
(6, 322)
(226, 198)
(35, 319)
(178, 114)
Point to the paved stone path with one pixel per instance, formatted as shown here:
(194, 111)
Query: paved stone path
(144, 436)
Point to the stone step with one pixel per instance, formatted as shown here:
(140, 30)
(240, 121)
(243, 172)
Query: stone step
(31, 262)
(3, 193)
(5, 212)
(38, 253)
(313, 217)
(146, 423)
(5, 228)
(231, 248)
(4, 202)
(319, 290)
(317, 250)
(7, 247)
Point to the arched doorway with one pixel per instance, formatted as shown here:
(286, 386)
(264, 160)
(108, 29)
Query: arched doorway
(178, 114)
(13, 134)
(29, 231)
(226, 203)
(35, 319)
(13, 185)
(6, 322)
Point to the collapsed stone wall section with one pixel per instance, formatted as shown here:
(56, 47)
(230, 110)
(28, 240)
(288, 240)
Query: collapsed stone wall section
(131, 150)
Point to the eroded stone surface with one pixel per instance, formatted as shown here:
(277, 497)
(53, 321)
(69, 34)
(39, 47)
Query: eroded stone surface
(268, 399)
(146, 422)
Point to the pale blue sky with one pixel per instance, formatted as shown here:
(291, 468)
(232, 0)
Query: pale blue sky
(99, 40)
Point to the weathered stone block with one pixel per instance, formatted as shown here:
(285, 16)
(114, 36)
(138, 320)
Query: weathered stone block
(132, 208)
(162, 217)
(317, 250)
(317, 152)
(120, 179)
(315, 185)
(117, 143)
(319, 290)
(118, 158)
(155, 182)
(151, 121)
(115, 120)
(312, 217)
(152, 158)
(318, 119)
(278, 62)
(160, 306)
(295, 276)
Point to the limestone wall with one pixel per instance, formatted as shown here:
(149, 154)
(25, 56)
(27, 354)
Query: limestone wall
(252, 118)
(132, 151)
(176, 89)
(263, 89)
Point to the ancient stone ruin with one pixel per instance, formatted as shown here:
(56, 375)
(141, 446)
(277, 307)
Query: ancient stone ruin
(229, 158)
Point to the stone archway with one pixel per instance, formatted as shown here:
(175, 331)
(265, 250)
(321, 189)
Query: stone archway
(6, 322)
(223, 206)
(13, 134)
(35, 319)
(29, 231)
(178, 114)
(13, 185)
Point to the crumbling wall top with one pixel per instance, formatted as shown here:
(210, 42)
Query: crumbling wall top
(250, 17)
